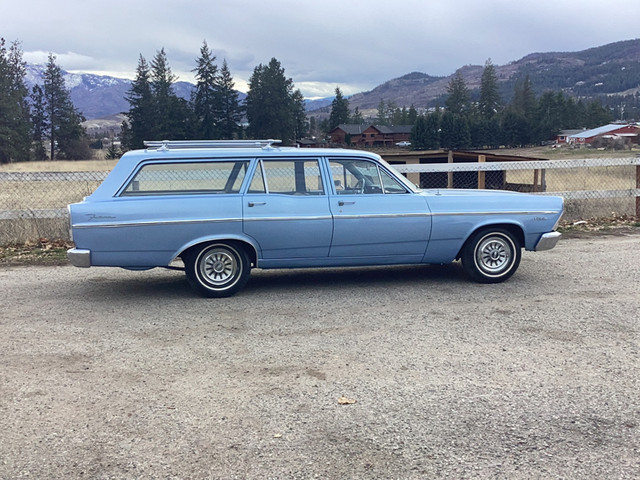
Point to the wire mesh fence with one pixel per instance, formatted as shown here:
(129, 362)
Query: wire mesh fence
(592, 188)
(33, 205)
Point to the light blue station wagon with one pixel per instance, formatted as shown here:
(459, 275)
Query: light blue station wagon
(227, 207)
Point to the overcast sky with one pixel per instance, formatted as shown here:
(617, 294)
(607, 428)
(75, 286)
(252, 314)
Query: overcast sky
(321, 44)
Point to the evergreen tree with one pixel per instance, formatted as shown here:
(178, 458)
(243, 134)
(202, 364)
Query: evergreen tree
(140, 117)
(412, 116)
(339, 110)
(515, 129)
(228, 108)
(524, 100)
(66, 133)
(419, 134)
(490, 101)
(357, 117)
(448, 133)
(597, 115)
(39, 122)
(205, 98)
(432, 138)
(14, 109)
(271, 105)
(299, 115)
(170, 112)
(548, 117)
(463, 132)
(381, 116)
(425, 134)
(457, 102)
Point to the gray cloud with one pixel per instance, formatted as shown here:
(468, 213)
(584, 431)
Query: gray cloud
(354, 45)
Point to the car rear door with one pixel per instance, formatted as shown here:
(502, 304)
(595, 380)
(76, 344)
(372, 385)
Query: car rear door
(286, 210)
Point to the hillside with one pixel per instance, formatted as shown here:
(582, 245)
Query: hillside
(609, 69)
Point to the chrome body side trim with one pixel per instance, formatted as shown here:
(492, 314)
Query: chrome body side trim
(153, 222)
(512, 212)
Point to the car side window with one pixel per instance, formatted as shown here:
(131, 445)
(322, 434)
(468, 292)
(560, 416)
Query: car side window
(178, 178)
(287, 177)
(352, 176)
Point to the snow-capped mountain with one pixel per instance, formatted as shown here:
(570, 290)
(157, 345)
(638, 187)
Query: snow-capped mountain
(97, 96)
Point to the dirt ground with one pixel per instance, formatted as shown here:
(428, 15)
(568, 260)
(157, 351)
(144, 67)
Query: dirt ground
(402, 372)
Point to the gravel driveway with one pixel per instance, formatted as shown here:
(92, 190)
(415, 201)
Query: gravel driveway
(108, 374)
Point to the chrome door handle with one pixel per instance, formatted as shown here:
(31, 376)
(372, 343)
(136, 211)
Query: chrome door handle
(253, 204)
(342, 203)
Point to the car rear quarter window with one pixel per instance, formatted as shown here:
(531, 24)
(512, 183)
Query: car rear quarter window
(185, 177)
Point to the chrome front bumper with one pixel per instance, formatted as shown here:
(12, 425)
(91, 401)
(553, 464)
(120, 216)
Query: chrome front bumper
(79, 258)
(547, 241)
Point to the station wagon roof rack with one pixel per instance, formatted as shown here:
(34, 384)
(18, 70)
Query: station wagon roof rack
(178, 144)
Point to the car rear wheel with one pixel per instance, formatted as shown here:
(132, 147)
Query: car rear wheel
(217, 269)
(491, 255)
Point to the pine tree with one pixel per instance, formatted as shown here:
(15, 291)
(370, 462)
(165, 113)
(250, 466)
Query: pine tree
(419, 134)
(299, 114)
(382, 117)
(524, 100)
(339, 110)
(64, 121)
(457, 102)
(169, 112)
(271, 104)
(432, 131)
(490, 102)
(448, 133)
(205, 98)
(39, 122)
(412, 116)
(357, 117)
(14, 108)
(228, 110)
(140, 117)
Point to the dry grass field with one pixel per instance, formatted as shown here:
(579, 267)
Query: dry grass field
(60, 166)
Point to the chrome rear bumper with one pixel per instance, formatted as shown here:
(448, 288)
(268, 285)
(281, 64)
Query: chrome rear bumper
(547, 241)
(79, 257)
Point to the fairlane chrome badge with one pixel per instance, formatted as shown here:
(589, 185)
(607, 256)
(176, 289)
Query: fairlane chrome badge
(93, 216)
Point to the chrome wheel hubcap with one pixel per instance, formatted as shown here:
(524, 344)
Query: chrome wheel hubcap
(493, 255)
(218, 267)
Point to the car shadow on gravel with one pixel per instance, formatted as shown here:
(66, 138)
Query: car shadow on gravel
(353, 277)
(174, 285)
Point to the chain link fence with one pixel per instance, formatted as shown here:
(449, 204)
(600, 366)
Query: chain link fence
(592, 188)
(33, 205)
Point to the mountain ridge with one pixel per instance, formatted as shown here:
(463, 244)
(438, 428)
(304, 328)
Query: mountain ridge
(611, 69)
(586, 73)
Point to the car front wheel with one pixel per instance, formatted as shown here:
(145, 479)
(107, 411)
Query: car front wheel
(218, 269)
(491, 255)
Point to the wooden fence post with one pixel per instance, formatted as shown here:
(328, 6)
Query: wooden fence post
(481, 173)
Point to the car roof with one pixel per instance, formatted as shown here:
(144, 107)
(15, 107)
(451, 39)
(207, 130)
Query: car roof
(184, 150)
(211, 150)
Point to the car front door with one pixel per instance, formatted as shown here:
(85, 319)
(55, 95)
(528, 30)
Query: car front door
(376, 218)
(286, 210)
